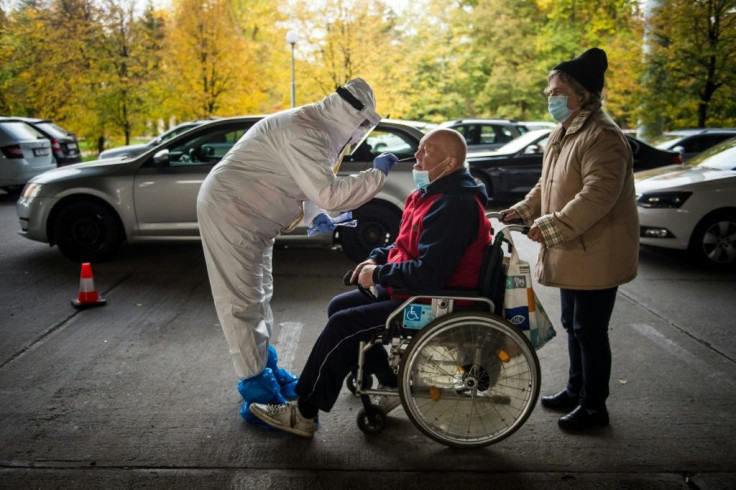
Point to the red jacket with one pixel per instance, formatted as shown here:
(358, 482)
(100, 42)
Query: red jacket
(443, 236)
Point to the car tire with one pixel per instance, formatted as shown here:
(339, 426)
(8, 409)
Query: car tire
(712, 240)
(87, 231)
(378, 226)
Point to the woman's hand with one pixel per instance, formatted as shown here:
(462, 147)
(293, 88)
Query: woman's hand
(535, 234)
(509, 216)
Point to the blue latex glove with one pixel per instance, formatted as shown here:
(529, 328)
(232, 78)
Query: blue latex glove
(321, 223)
(385, 162)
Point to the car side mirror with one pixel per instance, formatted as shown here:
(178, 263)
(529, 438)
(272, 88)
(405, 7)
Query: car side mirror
(532, 150)
(161, 158)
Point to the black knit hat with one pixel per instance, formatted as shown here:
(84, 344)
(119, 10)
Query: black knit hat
(587, 69)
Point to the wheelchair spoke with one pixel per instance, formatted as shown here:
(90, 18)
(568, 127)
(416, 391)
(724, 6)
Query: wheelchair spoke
(469, 381)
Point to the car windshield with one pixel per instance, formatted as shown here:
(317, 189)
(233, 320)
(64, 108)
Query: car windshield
(720, 157)
(666, 142)
(53, 130)
(182, 128)
(21, 130)
(517, 144)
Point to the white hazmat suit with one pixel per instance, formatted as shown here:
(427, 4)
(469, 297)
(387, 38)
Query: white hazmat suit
(259, 188)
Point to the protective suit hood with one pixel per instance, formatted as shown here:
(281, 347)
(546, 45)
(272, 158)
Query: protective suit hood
(341, 119)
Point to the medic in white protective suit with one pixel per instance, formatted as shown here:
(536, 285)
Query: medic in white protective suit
(262, 187)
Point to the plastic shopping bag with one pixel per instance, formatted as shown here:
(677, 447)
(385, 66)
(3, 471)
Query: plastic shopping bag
(520, 304)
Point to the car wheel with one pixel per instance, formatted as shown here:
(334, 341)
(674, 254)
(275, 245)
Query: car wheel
(378, 226)
(87, 231)
(713, 240)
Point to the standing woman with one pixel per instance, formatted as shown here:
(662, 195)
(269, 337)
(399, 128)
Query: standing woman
(583, 213)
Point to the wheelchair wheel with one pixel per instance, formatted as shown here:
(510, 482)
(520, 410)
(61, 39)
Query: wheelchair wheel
(371, 420)
(469, 379)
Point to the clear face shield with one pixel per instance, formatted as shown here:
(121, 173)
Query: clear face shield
(370, 121)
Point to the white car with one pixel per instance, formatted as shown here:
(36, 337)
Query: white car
(693, 206)
(24, 154)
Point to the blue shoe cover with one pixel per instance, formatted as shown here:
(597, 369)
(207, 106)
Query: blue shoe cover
(273, 358)
(261, 388)
(283, 377)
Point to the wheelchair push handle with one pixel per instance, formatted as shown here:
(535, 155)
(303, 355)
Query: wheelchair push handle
(515, 225)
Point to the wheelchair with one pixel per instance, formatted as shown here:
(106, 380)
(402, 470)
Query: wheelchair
(466, 379)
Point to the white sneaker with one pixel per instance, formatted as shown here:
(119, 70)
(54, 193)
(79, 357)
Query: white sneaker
(387, 403)
(285, 417)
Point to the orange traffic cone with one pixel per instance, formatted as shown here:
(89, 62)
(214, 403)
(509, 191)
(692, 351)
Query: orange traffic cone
(87, 293)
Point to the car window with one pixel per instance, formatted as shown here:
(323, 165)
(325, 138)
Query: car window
(721, 156)
(20, 131)
(171, 133)
(505, 134)
(487, 135)
(709, 140)
(205, 148)
(665, 141)
(387, 140)
(467, 131)
(53, 130)
(517, 144)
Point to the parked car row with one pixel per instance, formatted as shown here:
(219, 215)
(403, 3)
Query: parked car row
(90, 210)
(511, 171)
(491, 134)
(692, 142)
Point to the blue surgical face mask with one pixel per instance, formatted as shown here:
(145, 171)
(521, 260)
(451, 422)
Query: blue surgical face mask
(421, 177)
(558, 109)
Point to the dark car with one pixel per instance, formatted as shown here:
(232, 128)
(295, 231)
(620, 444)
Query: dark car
(491, 134)
(130, 151)
(64, 144)
(511, 171)
(692, 142)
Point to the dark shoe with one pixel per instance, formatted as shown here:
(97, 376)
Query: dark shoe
(560, 401)
(580, 419)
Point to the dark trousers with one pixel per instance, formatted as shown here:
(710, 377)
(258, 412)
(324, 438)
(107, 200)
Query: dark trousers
(585, 316)
(351, 318)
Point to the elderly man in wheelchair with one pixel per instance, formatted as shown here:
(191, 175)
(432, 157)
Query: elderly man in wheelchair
(459, 378)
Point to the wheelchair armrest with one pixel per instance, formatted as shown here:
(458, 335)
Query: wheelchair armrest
(470, 295)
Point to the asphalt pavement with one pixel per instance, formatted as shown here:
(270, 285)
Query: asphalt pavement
(140, 393)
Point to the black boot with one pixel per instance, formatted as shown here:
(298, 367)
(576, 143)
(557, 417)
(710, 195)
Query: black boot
(582, 419)
(560, 401)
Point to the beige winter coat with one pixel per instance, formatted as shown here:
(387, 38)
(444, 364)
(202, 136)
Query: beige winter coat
(585, 206)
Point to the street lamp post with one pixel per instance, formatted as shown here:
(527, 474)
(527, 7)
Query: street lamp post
(292, 38)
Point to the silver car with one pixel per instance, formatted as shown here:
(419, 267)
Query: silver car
(90, 209)
(24, 153)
